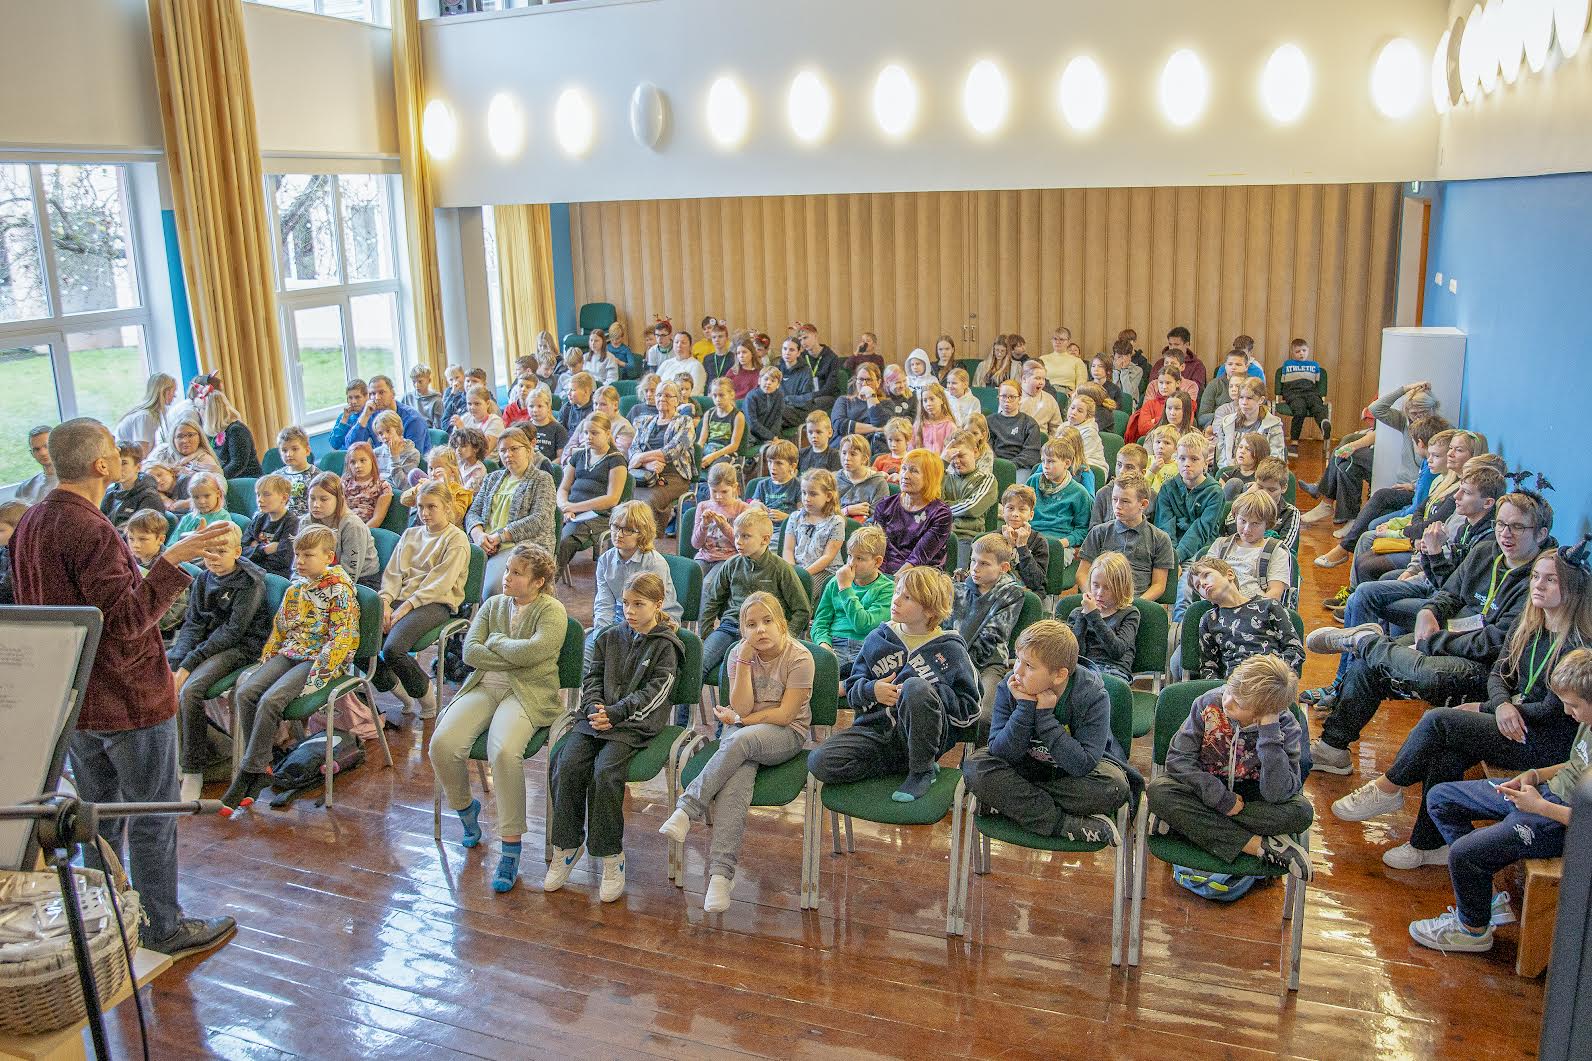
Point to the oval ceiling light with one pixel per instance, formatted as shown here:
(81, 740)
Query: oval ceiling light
(1536, 19)
(1470, 48)
(1488, 49)
(505, 125)
(1396, 79)
(1440, 75)
(573, 122)
(895, 101)
(1184, 87)
(648, 114)
(1082, 93)
(439, 130)
(1285, 84)
(1569, 23)
(1509, 35)
(1455, 35)
(985, 97)
(808, 106)
(728, 111)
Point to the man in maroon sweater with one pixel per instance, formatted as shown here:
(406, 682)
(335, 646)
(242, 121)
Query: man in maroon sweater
(1182, 355)
(64, 552)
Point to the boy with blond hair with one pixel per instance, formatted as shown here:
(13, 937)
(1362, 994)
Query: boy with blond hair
(911, 687)
(969, 492)
(754, 567)
(987, 603)
(1052, 765)
(1233, 783)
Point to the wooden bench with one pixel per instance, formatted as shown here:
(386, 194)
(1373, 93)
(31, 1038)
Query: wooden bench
(1539, 908)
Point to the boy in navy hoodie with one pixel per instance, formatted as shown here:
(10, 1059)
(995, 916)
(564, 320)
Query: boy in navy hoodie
(1052, 765)
(910, 686)
(987, 601)
(1233, 782)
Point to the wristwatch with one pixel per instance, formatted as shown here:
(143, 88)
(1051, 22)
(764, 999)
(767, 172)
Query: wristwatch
(737, 717)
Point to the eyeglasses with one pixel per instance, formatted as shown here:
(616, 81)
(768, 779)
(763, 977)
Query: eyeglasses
(1515, 528)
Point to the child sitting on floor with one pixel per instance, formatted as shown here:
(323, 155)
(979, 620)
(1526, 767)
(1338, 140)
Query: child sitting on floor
(911, 687)
(1105, 622)
(367, 494)
(312, 637)
(1052, 765)
(1239, 624)
(1233, 784)
(1030, 548)
(512, 691)
(856, 600)
(987, 602)
(624, 703)
(268, 543)
(766, 712)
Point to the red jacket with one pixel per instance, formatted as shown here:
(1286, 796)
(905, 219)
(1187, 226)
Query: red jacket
(1147, 416)
(65, 553)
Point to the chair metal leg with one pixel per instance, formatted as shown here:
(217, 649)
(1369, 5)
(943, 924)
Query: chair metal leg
(809, 827)
(834, 830)
(436, 809)
(1298, 934)
(954, 870)
(964, 863)
(381, 729)
(331, 732)
(851, 843)
(1118, 883)
(1140, 857)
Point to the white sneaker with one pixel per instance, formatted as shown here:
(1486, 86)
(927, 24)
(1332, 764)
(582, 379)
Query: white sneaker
(718, 897)
(1445, 933)
(613, 885)
(1329, 760)
(410, 705)
(1502, 912)
(192, 787)
(562, 866)
(676, 826)
(427, 703)
(1406, 857)
(1367, 802)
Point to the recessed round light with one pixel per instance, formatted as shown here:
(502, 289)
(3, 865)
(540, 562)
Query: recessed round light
(1185, 87)
(985, 97)
(439, 130)
(1082, 93)
(648, 114)
(1396, 79)
(1285, 84)
(729, 111)
(573, 122)
(895, 101)
(1569, 23)
(808, 106)
(505, 125)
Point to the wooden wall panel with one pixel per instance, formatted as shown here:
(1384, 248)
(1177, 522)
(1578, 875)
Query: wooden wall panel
(1270, 261)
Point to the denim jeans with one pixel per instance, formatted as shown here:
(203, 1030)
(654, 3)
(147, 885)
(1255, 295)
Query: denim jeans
(910, 739)
(1368, 604)
(1475, 855)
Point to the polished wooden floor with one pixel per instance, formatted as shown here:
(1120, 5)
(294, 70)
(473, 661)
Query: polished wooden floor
(360, 937)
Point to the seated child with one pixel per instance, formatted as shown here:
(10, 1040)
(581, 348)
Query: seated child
(1189, 507)
(935, 424)
(1162, 443)
(1250, 449)
(223, 629)
(898, 440)
(817, 431)
(648, 405)
(356, 549)
(551, 436)
(1130, 458)
(421, 398)
(167, 483)
(856, 600)
(765, 406)
(396, 457)
(421, 589)
(312, 638)
(133, 491)
(911, 687)
(633, 530)
(1271, 476)
(455, 399)
(1062, 503)
(268, 543)
(146, 537)
(624, 432)
(1030, 548)
(753, 567)
(1262, 564)
(1232, 784)
(780, 492)
(590, 485)
(512, 691)
(1081, 418)
(860, 486)
(208, 491)
(959, 392)
(1530, 814)
(969, 492)
(624, 703)
(724, 427)
(713, 536)
(766, 711)
(1052, 765)
(814, 535)
(469, 446)
(1013, 434)
(1239, 624)
(1297, 384)
(578, 405)
(366, 491)
(294, 447)
(442, 466)
(1106, 623)
(1147, 548)
(988, 599)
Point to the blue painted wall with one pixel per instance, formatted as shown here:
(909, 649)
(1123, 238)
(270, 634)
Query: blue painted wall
(187, 352)
(1518, 248)
(563, 267)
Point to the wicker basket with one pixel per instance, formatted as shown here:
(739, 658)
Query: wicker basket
(43, 995)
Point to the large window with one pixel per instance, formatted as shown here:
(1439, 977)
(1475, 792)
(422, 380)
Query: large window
(358, 10)
(338, 284)
(74, 321)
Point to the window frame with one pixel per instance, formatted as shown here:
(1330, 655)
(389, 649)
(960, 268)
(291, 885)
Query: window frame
(380, 12)
(340, 293)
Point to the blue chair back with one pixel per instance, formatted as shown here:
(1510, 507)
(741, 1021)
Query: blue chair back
(386, 545)
(240, 496)
(397, 518)
(596, 315)
(687, 579)
(271, 461)
(331, 461)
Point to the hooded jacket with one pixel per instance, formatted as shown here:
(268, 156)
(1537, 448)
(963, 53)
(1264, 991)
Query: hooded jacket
(318, 623)
(119, 505)
(942, 661)
(1483, 585)
(1189, 517)
(1438, 567)
(632, 675)
(1071, 739)
(1211, 754)
(224, 611)
(986, 620)
(739, 577)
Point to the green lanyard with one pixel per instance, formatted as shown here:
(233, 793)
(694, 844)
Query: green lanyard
(1537, 667)
(1492, 584)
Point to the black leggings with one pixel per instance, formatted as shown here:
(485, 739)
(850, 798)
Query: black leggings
(396, 662)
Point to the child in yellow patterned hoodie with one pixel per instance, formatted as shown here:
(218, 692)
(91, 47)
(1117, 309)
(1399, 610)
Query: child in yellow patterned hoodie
(312, 637)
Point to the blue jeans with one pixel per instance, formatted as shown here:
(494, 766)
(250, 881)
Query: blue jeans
(1368, 604)
(1475, 855)
(135, 766)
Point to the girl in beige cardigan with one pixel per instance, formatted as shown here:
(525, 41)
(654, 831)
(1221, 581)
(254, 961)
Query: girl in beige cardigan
(513, 644)
(422, 587)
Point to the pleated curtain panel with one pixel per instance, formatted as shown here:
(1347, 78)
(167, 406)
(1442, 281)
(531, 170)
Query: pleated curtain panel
(525, 276)
(213, 152)
(419, 204)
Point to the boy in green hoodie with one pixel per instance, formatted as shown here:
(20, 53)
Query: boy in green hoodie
(1189, 506)
(855, 600)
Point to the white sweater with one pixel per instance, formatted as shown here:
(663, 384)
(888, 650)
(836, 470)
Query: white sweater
(428, 568)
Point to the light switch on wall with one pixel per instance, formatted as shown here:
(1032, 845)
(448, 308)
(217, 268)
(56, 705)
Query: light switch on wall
(1453, 286)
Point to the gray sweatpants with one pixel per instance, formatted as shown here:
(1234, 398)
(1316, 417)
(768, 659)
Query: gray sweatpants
(191, 705)
(495, 710)
(263, 695)
(1224, 836)
(725, 786)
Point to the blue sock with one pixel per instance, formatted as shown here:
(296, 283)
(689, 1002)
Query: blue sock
(508, 870)
(470, 818)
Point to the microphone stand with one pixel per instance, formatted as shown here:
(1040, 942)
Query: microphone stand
(63, 824)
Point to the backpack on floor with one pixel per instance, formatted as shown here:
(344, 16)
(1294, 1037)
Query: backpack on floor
(1218, 887)
(303, 767)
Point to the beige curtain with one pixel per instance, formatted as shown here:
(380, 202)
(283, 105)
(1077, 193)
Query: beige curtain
(419, 221)
(213, 151)
(525, 276)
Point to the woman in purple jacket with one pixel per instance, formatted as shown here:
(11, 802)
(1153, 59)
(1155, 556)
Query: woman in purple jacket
(917, 524)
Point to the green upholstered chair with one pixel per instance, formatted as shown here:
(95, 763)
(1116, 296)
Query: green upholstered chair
(1149, 656)
(240, 497)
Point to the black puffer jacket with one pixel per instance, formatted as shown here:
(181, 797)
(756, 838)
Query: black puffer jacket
(226, 611)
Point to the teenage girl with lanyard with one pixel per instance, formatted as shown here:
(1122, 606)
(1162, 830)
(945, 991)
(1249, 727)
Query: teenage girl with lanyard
(1522, 725)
